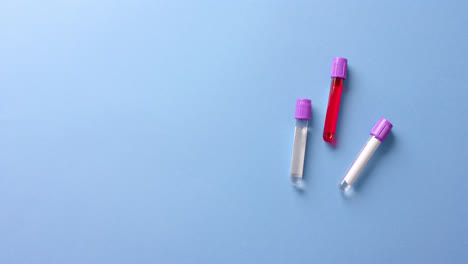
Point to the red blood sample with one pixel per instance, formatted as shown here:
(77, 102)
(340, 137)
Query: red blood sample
(338, 74)
(333, 109)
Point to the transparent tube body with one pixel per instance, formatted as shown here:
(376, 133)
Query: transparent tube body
(299, 148)
(359, 163)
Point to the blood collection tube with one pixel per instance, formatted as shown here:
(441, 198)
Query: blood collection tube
(378, 135)
(338, 75)
(303, 114)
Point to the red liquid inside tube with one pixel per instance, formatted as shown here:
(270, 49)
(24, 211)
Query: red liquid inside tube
(333, 108)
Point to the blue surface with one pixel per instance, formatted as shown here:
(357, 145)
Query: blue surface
(140, 132)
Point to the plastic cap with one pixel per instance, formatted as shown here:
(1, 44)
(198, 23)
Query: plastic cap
(339, 68)
(381, 129)
(303, 109)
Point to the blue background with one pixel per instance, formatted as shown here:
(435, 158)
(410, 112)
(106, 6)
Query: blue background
(162, 131)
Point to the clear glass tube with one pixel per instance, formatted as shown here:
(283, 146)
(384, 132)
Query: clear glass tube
(299, 148)
(359, 163)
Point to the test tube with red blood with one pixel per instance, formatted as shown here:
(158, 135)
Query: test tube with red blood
(338, 75)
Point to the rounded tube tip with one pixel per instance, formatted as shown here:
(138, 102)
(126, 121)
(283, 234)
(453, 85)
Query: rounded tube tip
(298, 183)
(328, 136)
(344, 186)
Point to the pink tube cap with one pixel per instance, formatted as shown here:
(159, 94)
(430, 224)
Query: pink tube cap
(381, 129)
(339, 68)
(303, 109)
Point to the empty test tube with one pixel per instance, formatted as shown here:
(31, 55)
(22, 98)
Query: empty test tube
(378, 135)
(303, 114)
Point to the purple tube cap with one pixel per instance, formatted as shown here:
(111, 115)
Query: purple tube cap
(303, 109)
(339, 68)
(381, 129)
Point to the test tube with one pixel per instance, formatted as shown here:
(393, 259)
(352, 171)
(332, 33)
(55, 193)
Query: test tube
(378, 135)
(303, 114)
(338, 75)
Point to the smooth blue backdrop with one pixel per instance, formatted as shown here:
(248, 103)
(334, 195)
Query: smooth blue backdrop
(161, 131)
